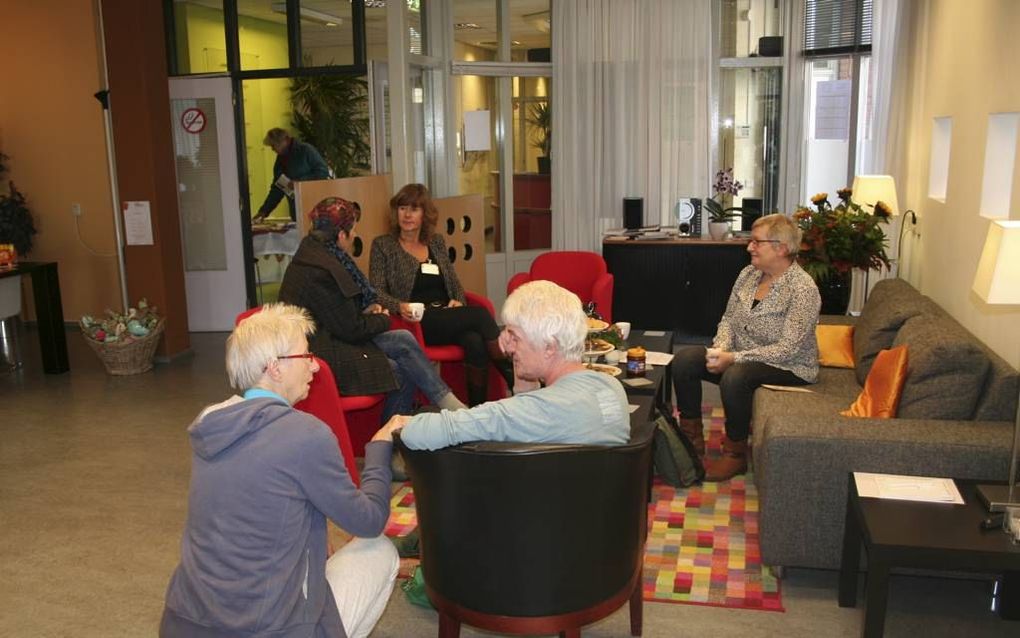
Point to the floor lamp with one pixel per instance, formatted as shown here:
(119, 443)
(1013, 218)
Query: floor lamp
(868, 190)
(997, 282)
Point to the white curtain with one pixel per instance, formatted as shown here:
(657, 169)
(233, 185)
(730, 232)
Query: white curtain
(631, 115)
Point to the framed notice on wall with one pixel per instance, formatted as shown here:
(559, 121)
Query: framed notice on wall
(137, 224)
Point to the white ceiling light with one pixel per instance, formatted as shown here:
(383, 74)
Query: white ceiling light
(310, 15)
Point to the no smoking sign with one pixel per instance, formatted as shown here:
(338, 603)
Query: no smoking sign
(193, 120)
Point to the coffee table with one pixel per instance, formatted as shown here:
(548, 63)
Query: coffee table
(660, 376)
(913, 534)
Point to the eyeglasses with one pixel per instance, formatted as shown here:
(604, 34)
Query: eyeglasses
(757, 242)
(306, 355)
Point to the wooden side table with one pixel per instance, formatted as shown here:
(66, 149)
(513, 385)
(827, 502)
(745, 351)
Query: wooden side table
(48, 311)
(938, 536)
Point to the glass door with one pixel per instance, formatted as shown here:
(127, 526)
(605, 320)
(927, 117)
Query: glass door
(208, 196)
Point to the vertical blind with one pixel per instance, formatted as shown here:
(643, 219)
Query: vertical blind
(837, 26)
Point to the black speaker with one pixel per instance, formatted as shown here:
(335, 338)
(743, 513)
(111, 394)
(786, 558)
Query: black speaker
(751, 211)
(770, 46)
(633, 212)
(539, 55)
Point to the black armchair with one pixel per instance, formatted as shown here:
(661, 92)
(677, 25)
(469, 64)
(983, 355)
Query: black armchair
(532, 538)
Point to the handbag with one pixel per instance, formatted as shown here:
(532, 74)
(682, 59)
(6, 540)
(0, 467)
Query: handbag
(675, 459)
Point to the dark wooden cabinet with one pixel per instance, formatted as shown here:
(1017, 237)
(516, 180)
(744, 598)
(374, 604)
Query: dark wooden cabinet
(680, 285)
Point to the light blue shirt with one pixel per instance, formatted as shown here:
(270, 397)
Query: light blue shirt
(583, 407)
(260, 393)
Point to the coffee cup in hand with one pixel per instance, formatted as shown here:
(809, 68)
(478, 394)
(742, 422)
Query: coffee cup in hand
(417, 311)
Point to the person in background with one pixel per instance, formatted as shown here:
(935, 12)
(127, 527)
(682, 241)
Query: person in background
(264, 479)
(411, 264)
(544, 335)
(354, 335)
(297, 161)
(766, 335)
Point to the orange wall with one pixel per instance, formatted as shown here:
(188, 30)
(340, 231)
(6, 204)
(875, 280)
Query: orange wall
(52, 128)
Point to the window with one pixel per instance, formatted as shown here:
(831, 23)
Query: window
(837, 95)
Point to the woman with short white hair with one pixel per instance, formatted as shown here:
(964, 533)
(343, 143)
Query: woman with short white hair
(264, 479)
(544, 336)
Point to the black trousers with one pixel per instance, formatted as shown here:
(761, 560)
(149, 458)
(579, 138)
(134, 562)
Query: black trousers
(469, 327)
(736, 385)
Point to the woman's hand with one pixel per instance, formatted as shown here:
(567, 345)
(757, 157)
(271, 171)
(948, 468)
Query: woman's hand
(376, 309)
(406, 312)
(454, 304)
(385, 433)
(716, 361)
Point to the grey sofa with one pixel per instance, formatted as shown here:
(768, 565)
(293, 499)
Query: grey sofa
(955, 419)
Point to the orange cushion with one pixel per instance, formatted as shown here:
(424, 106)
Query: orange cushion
(835, 346)
(881, 393)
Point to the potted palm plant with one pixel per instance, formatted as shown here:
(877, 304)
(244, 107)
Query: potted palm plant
(16, 231)
(540, 117)
(330, 112)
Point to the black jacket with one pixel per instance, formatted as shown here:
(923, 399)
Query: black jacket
(316, 281)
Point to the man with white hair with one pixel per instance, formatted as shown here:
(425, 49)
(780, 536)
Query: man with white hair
(264, 479)
(544, 335)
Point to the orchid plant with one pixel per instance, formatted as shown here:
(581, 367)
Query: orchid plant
(724, 184)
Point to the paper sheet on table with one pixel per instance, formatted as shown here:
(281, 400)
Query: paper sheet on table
(907, 488)
(655, 333)
(658, 358)
(637, 382)
(785, 388)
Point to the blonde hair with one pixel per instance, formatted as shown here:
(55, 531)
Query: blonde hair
(548, 315)
(780, 227)
(261, 338)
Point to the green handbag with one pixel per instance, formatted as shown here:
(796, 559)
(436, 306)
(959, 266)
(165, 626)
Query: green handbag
(414, 589)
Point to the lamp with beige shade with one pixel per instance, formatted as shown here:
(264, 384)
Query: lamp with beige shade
(997, 282)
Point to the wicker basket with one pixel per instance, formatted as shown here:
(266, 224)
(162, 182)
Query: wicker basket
(134, 357)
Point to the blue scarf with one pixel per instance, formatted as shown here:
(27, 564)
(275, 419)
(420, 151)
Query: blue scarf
(368, 294)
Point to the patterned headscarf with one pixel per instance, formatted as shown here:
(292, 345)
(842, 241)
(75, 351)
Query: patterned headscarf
(334, 214)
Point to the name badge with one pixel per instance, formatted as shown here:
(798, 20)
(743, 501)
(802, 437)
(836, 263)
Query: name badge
(430, 269)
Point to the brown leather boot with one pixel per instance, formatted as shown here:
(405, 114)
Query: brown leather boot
(733, 461)
(695, 431)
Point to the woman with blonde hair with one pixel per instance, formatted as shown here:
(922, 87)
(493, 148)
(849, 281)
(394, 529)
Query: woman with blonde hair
(766, 335)
(411, 265)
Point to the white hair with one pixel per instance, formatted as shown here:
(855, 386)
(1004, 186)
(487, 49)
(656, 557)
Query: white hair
(262, 337)
(548, 315)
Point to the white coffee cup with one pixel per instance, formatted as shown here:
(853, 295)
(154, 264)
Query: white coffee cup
(417, 310)
(624, 327)
(612, 357)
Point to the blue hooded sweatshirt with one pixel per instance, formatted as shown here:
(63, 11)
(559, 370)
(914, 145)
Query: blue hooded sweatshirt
(264, 478)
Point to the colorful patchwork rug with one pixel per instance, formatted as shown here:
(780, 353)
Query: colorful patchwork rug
(702, 545)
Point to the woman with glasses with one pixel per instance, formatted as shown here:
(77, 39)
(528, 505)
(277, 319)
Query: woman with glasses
(766, 336)
(264, 479)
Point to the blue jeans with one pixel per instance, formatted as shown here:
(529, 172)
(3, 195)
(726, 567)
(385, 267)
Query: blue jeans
(411, 370)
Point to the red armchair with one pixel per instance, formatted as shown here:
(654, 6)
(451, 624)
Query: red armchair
(324, 401)
(451, 357)
(582, 273)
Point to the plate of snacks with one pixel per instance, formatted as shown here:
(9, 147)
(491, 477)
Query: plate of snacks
(594, 346)
(612, 371)
(596, 325)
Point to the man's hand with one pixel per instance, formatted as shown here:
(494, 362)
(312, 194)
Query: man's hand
(385, 433)
(716, 361)
(454, 304)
